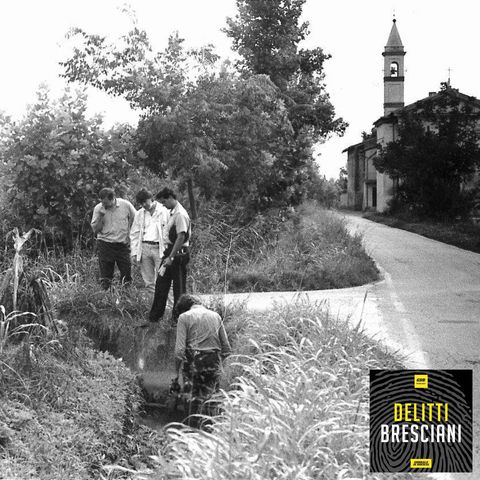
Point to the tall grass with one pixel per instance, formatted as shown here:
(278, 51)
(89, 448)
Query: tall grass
(298, 406)
(67, 410)
(222, 238)
(109, 317)
(310, 249)
(295, 396)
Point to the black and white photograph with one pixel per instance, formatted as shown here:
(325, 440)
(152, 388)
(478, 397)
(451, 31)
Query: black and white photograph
(240, 240)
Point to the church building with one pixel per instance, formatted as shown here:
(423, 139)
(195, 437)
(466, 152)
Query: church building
(367, 188)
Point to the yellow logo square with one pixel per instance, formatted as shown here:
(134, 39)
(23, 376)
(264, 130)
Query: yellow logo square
(421, 381)
(420, 463)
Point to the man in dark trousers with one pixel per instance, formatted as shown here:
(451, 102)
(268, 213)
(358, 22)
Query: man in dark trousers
(175, 257)
(111, 220)
(200, 345)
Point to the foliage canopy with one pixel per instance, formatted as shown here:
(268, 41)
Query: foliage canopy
(436, 153)
(267, 35)
(243, 138)
(56, 160)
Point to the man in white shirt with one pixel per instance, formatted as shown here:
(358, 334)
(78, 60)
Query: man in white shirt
(146, 237)
(175, 257)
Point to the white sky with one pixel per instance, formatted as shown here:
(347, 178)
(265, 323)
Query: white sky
(437, 35)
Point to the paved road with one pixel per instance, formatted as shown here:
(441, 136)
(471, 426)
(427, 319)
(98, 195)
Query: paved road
(429, 302)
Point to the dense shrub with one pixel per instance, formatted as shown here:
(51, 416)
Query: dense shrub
(435, 155)
(56, 161)
(312, 251)
(68, 411)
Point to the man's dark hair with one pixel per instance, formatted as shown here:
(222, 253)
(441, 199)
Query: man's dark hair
(143, 195)
(165, 193)
(108, 193)
(186, 302)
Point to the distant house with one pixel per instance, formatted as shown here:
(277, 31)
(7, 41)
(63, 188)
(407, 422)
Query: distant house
(367, 188)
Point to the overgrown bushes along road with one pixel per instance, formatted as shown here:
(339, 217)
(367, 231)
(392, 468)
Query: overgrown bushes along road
(67, 410)
(295, 405)
(309, 249)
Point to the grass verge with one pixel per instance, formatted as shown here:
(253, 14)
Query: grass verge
(296, 405)
(310, 249)
(67, 411)
(464, 235)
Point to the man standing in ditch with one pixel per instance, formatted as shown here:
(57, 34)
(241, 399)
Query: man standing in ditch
(175, 257)
(111, 222)
(146, 237)
(200, 346)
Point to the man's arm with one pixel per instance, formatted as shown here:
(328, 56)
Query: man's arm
(135, 234)
(180, 344)
(98, 218)
(178, 366)
(131, 214)
(162, 220)
(176, 247)
(225, 344)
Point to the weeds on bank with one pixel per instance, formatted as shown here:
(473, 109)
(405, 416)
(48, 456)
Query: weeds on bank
(67, 410)
(306, 250)
(314, 252)
(109, 317)
(66, 403)
(296, 407)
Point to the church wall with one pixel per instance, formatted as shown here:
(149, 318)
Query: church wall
(370, 171)
(356, 175)
(386, 133)
(384, 191)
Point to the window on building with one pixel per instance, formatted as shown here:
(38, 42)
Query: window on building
(394, 69)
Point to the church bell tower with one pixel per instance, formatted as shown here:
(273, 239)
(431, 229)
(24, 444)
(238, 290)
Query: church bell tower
(393, 80)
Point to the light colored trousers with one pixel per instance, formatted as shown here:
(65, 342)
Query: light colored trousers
(149, 264)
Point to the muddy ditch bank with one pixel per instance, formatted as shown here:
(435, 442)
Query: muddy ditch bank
(147, 350)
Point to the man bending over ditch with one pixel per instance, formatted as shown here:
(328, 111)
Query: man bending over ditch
(200, 346)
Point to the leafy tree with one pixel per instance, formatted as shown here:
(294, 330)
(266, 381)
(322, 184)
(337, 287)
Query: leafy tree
(267, 34)
(57, 160)
(436, 153)
(224, 137)
(151, 82)
(342, 180)
(247, 138)
(215, 132)
(325, 192)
